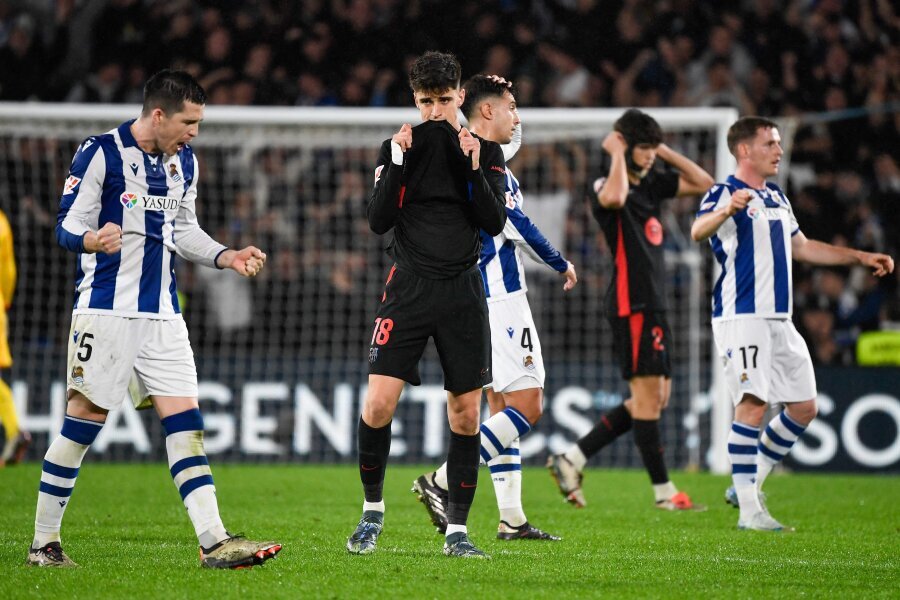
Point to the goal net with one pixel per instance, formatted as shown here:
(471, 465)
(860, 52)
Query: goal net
(282, 358)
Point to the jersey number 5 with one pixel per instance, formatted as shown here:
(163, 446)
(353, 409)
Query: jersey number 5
(382, 331)
(85, 349)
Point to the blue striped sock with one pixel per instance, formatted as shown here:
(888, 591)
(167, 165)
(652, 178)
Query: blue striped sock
(499, 431)
(192, 476)
(742, 441)
(58, 474)
(776, 441)
(506, 473)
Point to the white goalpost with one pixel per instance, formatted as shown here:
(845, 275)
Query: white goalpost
(282, 358)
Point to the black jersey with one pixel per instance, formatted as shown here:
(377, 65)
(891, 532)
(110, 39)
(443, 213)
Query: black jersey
(436, 203)
(635, 235)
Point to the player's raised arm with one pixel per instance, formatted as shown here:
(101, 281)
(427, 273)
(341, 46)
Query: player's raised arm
(612, 192)
(716, 207)
(387, 199)
(488, 179)
(693, 180)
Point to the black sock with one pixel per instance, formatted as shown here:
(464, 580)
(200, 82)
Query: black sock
(462, 475)
(374, 446)
(646, 436)
(611, 425)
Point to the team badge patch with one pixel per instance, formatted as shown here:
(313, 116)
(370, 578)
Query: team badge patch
(71, 183)
(373, 355)
(654, 231)
(529, 363)
(78, 375)
(745, 379)
(128, 200)
(753, 212)
(173, 172)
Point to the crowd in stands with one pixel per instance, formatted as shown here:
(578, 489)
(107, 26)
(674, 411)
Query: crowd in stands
(829, 68)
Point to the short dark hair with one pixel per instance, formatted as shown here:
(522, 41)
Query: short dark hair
(435, 72)
(169, 90)
(480, 87)
(744, 129)
(637, 127)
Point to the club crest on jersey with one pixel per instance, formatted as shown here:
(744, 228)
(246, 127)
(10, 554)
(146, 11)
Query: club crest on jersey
(71, 183)
(373, 355)
(753, 212)
(78, 375)
(173, 172)
(128, 200)
(745, 379)
(654, 231)
(529, 363)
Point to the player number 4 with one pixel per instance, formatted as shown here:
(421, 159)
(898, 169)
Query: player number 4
(744, 350)
(526, 339)
(382, 332)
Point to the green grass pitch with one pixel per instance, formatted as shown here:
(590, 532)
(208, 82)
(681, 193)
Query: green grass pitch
(128, 530)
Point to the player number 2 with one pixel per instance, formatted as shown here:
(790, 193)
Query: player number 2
(526, 339)
(382, 332)
(744, 354)
(657, 333)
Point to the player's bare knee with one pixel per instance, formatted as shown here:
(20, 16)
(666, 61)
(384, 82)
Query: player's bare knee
(803, 412)
(377, 412)
(750, 410)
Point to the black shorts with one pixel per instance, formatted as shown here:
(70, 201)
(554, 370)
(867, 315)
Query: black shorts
(452, 311)
(642, 341)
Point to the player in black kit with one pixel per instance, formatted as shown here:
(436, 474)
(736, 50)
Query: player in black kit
(436, 185)
(629, 196)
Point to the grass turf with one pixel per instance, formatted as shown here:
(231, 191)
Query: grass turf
(128, 530)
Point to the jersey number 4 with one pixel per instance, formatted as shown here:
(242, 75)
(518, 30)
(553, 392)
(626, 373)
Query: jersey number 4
(526, 339)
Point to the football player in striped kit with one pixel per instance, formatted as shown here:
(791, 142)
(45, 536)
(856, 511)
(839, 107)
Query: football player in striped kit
(629, 196)
(127, 208)
(515, 395)
(753, 234)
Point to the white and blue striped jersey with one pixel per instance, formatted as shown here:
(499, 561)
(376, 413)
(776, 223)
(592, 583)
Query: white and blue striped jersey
(152, 198)
(753, 249)
(502, 270)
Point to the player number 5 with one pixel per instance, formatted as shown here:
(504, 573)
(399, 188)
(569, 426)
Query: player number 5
(85, 349)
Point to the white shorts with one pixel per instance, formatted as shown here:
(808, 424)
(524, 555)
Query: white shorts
(516, 358)
(765, 357)
(107, 352)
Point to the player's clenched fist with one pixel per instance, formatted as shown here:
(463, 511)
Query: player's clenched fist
(247, 262)
(738, 202)
(108, 240)
(403, 138)
(470, 146)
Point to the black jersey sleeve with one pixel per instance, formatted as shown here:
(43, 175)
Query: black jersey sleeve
(665, 184)
(384, 204)
(488, 184)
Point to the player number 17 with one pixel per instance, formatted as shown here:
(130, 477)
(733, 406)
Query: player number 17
(744, 350)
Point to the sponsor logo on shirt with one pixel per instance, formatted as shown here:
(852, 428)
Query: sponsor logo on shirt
(147, 202)
(71, 183)
(654, 231)
(378, 170)
(772, 214)
(128, 200)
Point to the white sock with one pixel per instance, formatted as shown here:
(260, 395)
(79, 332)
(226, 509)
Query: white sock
(58, 475)
(451, 529)
(664, 491)
(440, 477)
(375, 506)
(192, 476)
(742, 441)
(506, 473)
(575, 456)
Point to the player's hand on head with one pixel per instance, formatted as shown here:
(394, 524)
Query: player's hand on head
(615, 143)
(500, 80)
(881, 264)
(571, 278)
(403, 138)
(470, 146)
(107, 240)
(249, 261)
(738, 202)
